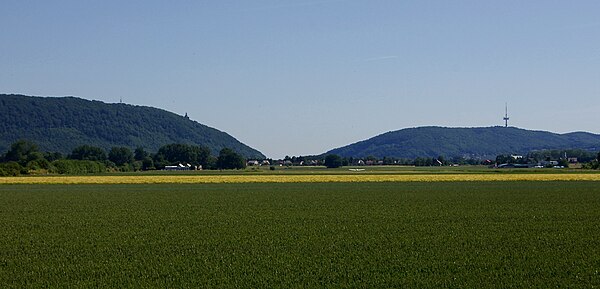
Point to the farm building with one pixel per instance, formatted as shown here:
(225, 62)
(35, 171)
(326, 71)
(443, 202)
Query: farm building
(179, 167)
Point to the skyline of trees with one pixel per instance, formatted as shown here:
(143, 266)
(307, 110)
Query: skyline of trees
(24, 156)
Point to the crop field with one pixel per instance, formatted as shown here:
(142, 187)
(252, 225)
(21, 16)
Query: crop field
(509, 234)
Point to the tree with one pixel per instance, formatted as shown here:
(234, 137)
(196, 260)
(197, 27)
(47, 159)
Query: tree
(140, 154)
(595, 164)
(563, 163)
(504, 159)
(423, 162)
(182, 153)
(120, 156)
(88, 153)
(388, 161)
(345, 162)
(147, 164)
(442, 160)
(23, 152)
(333, 161)
(229, 159)
(53, 156)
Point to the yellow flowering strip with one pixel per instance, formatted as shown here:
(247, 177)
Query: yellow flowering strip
(209, 179)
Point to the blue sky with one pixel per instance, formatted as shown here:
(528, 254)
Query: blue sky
(302, 77)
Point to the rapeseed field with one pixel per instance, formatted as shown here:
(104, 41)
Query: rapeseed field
(317, 178)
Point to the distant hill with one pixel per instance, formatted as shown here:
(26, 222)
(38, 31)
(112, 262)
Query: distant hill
(59, 124)
(480, 142)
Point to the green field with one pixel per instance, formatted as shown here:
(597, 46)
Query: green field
(438, 235)
(369, 170)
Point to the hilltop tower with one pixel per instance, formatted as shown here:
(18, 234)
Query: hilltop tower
(506, 115)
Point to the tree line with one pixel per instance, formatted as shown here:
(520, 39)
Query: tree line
(590, 160)
(24, 157)
(561, 157)
(334, 161)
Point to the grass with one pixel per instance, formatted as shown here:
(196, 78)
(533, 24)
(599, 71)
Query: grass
(368, 170)
(411, 170)
(437, 235)
(295, 178)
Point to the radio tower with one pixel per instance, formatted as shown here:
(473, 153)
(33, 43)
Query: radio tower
(506, 115)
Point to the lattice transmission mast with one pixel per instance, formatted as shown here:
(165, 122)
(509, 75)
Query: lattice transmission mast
(506, 118)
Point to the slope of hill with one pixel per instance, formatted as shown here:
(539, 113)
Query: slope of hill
(481, 142)
(59, 124)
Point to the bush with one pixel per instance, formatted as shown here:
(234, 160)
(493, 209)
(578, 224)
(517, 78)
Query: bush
(10, 169)
(40, 164)
(593, 165)
(78, 167)
(124, 168)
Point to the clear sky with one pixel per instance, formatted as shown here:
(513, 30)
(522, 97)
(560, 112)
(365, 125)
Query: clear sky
(302, 77)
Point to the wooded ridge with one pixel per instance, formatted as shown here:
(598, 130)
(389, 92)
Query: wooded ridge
(477, 142)
(59, 124)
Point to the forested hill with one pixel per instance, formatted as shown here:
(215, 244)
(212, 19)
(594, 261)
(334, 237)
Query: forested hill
(481, 142)
(59, 124)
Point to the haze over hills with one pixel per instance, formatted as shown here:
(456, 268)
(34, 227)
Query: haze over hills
(478, 142)
(59, 124)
